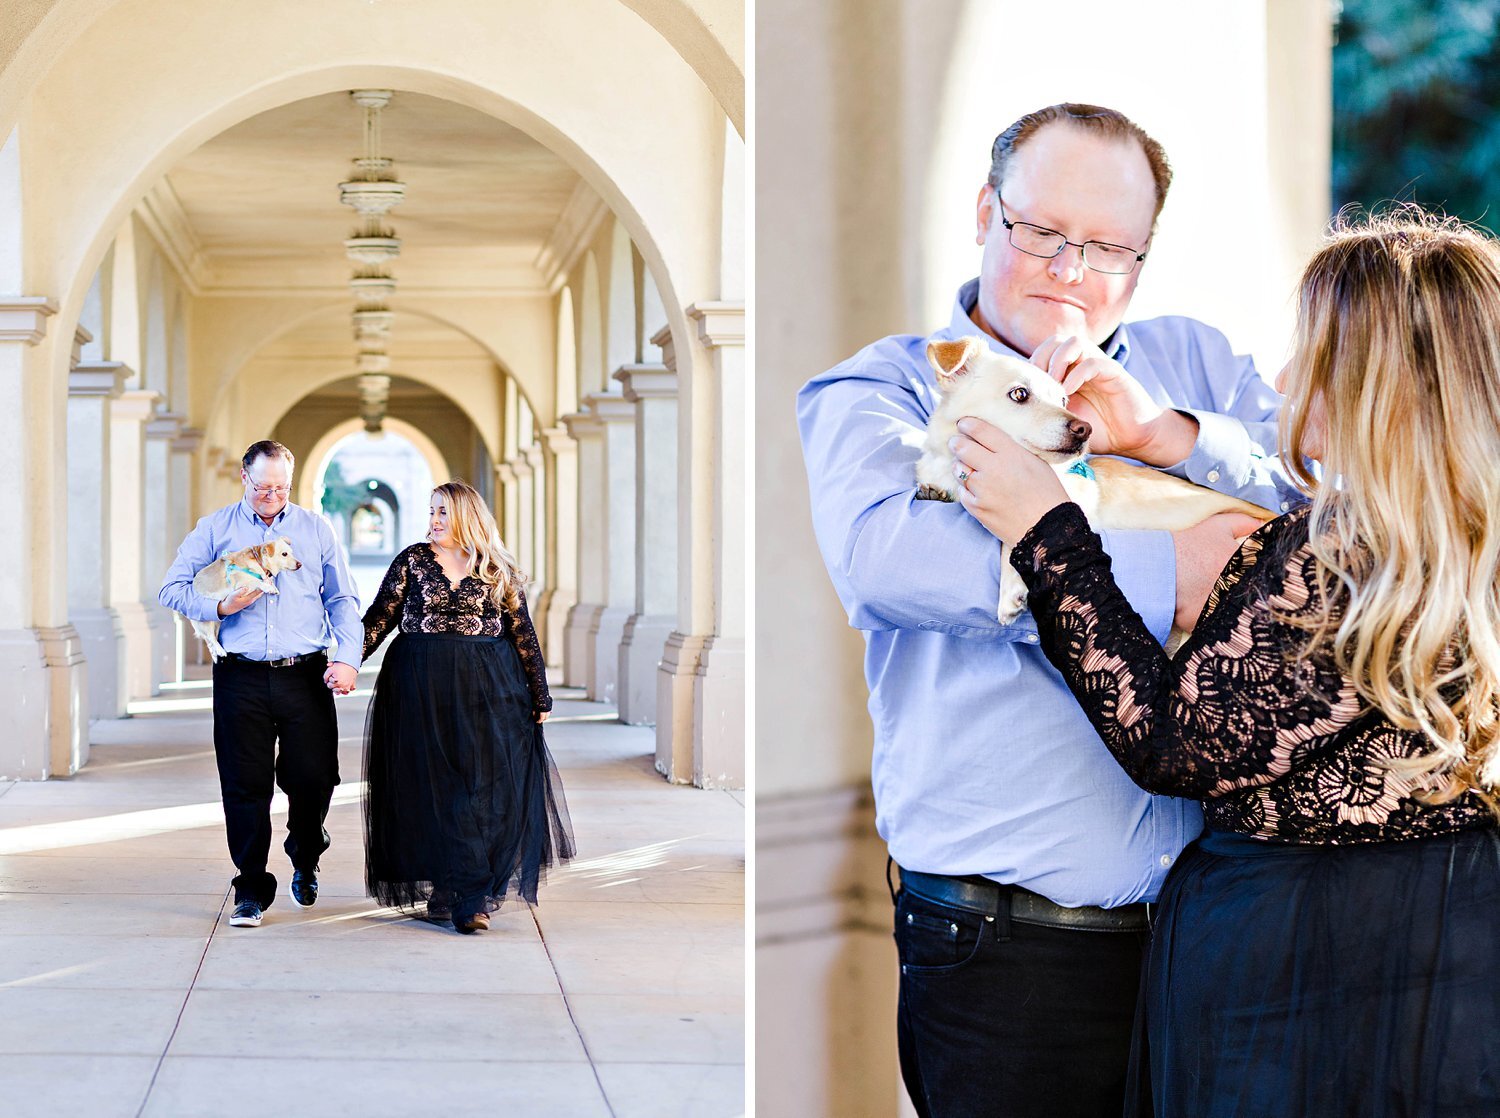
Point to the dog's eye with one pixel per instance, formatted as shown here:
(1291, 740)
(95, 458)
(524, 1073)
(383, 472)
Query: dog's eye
(1019, 394)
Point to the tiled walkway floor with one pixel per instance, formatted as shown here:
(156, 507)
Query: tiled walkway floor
(123, 991)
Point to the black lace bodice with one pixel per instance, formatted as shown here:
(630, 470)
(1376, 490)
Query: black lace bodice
(1275, 747)
(416, 593)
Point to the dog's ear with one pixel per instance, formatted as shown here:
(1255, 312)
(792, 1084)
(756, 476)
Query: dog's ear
(265, 553)
(951, 360)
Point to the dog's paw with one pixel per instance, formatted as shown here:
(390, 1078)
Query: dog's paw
(933, 493)
(1012, 603)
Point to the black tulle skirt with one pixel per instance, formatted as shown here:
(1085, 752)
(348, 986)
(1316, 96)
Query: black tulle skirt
(463, 804)
(1288, 981)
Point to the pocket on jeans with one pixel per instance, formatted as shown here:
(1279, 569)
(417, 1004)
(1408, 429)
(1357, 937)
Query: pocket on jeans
(934, 939)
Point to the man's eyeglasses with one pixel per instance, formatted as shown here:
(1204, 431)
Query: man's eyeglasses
(267, 490)
(1038, 240)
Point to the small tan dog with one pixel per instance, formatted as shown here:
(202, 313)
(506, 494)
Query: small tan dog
(251, 568)
(1030, 407)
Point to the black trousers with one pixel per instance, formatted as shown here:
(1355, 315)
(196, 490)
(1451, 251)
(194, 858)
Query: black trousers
(255, 706)
(999, 1019)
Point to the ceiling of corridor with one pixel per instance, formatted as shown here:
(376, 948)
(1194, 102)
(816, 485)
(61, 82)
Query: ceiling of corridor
(257, 207)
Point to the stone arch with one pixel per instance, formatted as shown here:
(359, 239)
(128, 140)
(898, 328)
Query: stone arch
(322, 453)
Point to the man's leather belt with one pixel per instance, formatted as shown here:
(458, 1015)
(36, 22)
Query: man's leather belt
(286, 662)
(990, 898)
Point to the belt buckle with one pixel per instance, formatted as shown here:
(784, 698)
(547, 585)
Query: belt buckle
(285, 662)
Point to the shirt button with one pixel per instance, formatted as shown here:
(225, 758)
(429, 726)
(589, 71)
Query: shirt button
(1032, 638)
(1213, 475)
(1285, 505)
(1166, 859)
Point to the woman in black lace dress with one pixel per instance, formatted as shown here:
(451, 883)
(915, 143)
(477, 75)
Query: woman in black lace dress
(1331, 944)
(462, 800)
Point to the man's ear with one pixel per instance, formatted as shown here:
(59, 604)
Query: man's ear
(951, 360)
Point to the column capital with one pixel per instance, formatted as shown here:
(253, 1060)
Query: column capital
(506, 473)
(81, 338)
(719, 324)
(98, 378)
(533, 456)
(556, 440)
(164, 425)
(136, 403)
(23, 318)
(188, 439)
(662, 339)
(640, 382)
(608, 407)
(520, 466)
(581, 425)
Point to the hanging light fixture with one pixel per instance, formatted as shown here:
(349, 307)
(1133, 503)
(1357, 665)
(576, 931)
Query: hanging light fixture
(373, 192)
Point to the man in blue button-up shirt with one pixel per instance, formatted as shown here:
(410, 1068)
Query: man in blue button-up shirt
(276, 681)
(1025, 851)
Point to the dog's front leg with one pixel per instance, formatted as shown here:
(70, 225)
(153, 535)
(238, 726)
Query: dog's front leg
(1012, 589)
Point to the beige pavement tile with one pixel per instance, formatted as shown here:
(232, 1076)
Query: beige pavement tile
(296, 1088)
(35, 1019)
(632, 1028)
(674, 1090)
(165, 914)
(33, 873)
(498, 1027)
(622, 948)
(53, 1086)
(672, 886)
(100, 961)
(422, 959)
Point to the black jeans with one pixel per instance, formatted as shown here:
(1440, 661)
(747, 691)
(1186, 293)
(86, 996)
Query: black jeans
(254, 706)
(999, 1019)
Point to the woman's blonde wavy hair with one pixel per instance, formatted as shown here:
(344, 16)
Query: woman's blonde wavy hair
(478, 537)
(1398, 355)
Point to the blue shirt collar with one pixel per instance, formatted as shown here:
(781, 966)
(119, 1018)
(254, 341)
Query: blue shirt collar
(249, 510)
(1116, 346)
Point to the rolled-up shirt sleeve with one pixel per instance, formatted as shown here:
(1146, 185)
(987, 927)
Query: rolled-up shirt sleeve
(198, 550)
(340, 599)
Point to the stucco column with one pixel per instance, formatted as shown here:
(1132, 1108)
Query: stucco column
(129, 414)
(561, 507)
(43, 677)
(521, 546)
(652, 389)
(92, 387)
(505, 498)
(616, 415)
(701, 683)
(157, 547)
(536, 528)
(180, 522)
(578, 642)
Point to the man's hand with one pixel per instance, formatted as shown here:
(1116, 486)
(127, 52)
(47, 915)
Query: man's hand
(340, 678)
(240, 599)
(1125, 419)
(1202, 551)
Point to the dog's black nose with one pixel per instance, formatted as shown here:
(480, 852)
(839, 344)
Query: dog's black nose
(1080, 430)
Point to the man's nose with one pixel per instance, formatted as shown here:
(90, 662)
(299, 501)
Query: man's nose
(1067, 265)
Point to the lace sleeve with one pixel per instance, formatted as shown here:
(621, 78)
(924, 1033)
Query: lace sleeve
(385, 611)
(1234, 709)
(524, 635)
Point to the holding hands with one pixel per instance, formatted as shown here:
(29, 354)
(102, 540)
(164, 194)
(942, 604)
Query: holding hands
(340, 678)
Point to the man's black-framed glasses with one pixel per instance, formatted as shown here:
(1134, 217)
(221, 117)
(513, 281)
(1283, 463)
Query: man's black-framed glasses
(1038, 240)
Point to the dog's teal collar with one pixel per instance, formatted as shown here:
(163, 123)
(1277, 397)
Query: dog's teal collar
(1082, 469)
(245, 570)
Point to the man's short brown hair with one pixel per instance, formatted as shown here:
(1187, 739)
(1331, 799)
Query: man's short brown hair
(1106, 123)
(267, 448)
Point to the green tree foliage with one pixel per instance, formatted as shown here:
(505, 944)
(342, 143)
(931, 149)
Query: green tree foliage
(341, 498)
(1416, 105)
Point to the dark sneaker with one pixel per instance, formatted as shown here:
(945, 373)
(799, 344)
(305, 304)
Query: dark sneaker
(303, 888)
(246, 915)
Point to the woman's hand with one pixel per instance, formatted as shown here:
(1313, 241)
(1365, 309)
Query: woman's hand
(1005, 487)
(541, 715)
